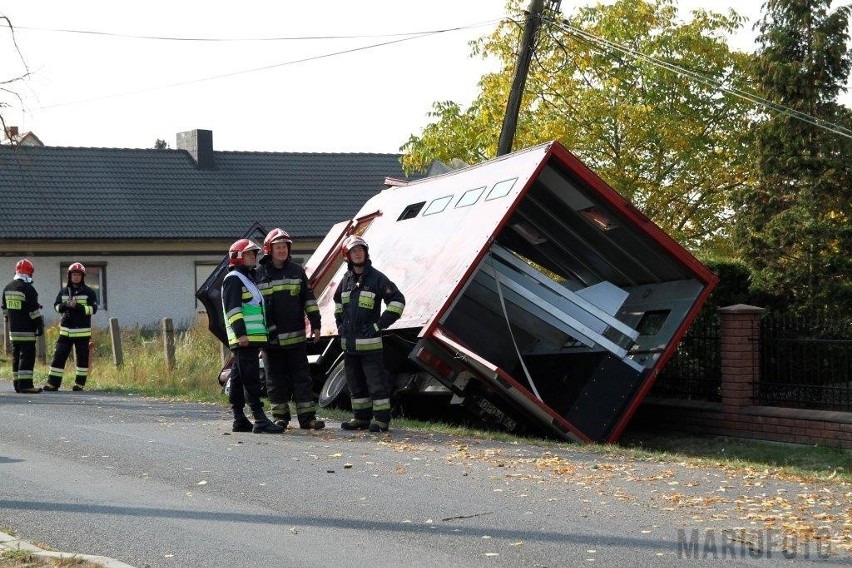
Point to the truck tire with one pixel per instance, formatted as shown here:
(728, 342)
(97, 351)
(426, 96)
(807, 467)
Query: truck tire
(334, 391)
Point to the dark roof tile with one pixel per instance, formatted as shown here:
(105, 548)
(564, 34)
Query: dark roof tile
(108, 193)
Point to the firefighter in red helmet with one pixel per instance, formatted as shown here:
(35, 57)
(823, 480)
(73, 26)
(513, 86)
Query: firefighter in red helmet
(289, 300)
(24, 322)
(360, 321)
(243, 308)
(77, 303)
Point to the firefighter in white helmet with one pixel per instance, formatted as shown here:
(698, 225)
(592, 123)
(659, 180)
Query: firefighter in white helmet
(360, 321)
(77, 303)
(243, 307)
(289, 300)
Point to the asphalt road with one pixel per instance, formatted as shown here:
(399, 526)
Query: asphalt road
(160, 483)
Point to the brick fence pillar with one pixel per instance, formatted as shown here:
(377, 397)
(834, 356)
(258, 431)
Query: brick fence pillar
(740, 326)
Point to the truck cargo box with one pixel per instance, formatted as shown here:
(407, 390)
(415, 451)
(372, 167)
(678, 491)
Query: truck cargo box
(534, 291)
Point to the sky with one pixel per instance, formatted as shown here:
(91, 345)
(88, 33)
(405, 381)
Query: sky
(367, 92)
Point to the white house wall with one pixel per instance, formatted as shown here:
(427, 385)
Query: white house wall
(140, 290)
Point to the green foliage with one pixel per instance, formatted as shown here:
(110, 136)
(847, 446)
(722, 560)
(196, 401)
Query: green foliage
(794, 227)
(672, 145)
(735, 287)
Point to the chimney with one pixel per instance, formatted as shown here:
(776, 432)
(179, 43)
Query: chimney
(199, 144)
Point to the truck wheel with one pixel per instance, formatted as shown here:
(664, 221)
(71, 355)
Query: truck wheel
(334, 391)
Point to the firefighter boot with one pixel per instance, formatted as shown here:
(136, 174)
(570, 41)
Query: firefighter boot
(263, 425)
(311, 423)
(282, 420)
(77, 387)
(15, 385)
(355, 424)
(241, 423)
(26, 386)
(376, 426)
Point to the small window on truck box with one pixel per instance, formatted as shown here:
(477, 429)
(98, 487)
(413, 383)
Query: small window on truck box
(438, 205)
(501, 189)
(411, 211)
(470, 197)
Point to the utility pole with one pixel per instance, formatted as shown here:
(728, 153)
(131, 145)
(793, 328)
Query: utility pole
(513, 106)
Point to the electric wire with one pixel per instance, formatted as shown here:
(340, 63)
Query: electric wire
(609, 46)
(273, 66)
(238, 39)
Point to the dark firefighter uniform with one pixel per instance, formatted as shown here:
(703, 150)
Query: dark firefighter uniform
(75, 330)
(289, 299)
(25, 323)
(360, 321)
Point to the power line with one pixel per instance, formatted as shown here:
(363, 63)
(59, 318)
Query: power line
(238, 39)
(608, 45)
(273, 66)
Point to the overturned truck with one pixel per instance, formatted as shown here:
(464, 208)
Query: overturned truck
(535, 294)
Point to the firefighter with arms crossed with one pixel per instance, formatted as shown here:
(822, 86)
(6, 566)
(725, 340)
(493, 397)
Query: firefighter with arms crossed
(289, 299)
(77, 303)
(242, 306)
(360, 321)
(24, 322)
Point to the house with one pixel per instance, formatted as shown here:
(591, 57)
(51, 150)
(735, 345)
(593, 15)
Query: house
(151, 224)
(13, 137)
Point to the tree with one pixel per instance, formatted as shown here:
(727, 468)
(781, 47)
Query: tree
(7, 81)
(667, 140)
(161, 144)
(794, 226)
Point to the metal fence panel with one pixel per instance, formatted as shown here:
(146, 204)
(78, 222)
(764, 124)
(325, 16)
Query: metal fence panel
(805, 363)
(695, 370)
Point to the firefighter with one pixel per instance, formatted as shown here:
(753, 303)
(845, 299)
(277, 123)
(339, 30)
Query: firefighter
(360, 321)
(288, 300)
(242, 306)
(24, 322)
(77, 303)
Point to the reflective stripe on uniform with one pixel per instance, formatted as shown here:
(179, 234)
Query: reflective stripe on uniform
(368, 344)
(361, 403)
(291, 338)
(22, 335)
(396, 307)
(75, 332)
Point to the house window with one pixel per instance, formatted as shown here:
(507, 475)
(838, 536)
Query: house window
(501, 189)
(438, 205)
(411, 211)
(95, 279)
(470, 197)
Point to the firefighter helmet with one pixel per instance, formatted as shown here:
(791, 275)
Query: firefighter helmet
(275, 236)
(77, 267)
(24, 266)
(352, 242)
(238, 249)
